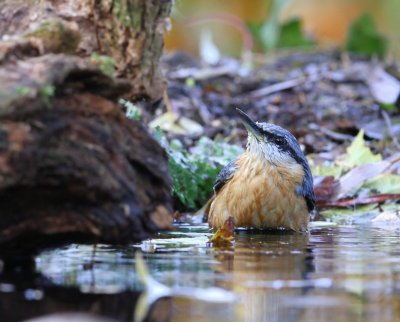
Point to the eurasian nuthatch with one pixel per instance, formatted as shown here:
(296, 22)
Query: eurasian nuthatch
(268, 186)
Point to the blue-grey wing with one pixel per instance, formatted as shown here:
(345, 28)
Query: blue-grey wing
(306, 189)
(225, 174)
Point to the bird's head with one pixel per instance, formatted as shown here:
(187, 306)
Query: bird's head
(275, 144)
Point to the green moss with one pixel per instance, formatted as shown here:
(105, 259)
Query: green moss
(136, 19)
(56, 36)
(46, 92)
(120, 11)
(23, 90)
(125, 12)
(105, 63)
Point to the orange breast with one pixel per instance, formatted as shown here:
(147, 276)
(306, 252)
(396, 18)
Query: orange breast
(261, 195)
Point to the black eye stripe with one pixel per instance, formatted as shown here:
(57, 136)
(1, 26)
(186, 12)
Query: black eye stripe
(279, 140)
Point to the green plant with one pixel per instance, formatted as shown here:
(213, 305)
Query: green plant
(363, 38)
(272, 34)
(194, 172)
(291, 35)
(132, 111)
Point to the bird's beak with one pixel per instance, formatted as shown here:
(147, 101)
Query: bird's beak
(250, 125)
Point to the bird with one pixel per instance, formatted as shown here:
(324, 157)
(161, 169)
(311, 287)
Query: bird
(269, 186)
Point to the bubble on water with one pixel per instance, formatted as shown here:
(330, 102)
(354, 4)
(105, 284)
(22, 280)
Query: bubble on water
(33, 295)
(6, 288)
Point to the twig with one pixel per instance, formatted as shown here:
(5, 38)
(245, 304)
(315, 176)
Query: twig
(204, 112)
(353, 202)
(167, 102)
(388, 122)
(335, 135)
(276, 88)
(201, 74)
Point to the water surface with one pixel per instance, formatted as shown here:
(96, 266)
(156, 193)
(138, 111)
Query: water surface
(332, 274)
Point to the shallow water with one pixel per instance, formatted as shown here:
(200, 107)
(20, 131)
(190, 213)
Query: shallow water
(332, 274)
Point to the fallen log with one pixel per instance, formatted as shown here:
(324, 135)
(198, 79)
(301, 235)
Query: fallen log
(72, 166)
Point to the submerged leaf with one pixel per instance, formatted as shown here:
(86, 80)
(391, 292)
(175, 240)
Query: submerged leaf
(226, 233)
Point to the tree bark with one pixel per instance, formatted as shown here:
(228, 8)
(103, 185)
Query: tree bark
(72, 166)
(129, 31)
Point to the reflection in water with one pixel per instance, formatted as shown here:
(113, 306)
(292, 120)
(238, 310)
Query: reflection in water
(332, 274)
(260, 264)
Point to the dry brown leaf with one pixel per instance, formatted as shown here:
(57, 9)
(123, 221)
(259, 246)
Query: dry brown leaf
(325, 189)
(226, 233)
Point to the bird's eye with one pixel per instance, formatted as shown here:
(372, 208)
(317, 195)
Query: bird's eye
(280, 140)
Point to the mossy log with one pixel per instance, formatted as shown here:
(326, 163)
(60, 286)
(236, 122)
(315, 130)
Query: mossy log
(129, 31)
(72, 166)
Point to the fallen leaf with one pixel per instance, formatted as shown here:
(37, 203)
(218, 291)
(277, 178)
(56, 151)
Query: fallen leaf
(327, 170)
(324, 189)
(384, 183)
(348, 216)
(358, 153)
(378, 129)
(177, 215)
(384, 87)
(353, 179)
(148, 246)
(171, 122)
(226, 233)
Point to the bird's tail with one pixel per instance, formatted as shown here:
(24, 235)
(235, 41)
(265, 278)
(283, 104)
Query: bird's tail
(204, 211)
